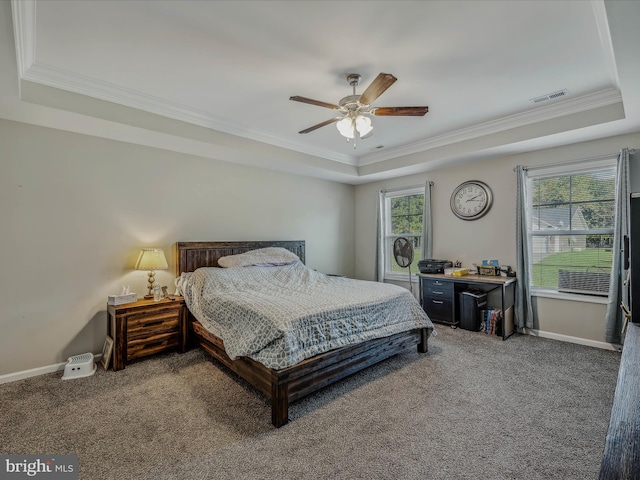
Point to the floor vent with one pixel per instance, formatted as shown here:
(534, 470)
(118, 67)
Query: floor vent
(550, 96)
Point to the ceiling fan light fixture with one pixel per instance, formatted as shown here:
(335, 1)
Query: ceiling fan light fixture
(345, 127)
(363, 125)
(349, 125)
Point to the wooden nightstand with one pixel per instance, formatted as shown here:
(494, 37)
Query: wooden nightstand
(145, 328)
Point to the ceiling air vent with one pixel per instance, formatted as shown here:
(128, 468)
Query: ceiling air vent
(549, 96)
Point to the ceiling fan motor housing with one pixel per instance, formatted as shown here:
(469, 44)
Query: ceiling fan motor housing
(349, 101)
(354, 79)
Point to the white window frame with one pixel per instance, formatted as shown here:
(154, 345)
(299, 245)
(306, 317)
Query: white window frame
(553, 171)
(389, 238)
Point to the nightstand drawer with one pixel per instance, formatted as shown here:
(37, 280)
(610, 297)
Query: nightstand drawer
(149, 324)
(150, 344)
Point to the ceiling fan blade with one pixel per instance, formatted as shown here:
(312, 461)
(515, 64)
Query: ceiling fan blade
(326, 122)
(377, 88)
(400, 111)
(315, 102)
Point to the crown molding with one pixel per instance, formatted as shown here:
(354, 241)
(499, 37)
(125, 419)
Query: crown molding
(59, 78)
(24, 32)
(562, 108)
(600, 14)
(24, 24)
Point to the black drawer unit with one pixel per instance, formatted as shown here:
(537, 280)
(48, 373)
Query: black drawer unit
(438, 300)
(435, 287)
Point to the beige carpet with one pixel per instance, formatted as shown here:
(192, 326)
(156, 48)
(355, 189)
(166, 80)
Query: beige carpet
(474, 407)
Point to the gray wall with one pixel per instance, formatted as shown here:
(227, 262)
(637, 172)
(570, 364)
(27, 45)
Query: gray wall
(492, 236)
(77, 209)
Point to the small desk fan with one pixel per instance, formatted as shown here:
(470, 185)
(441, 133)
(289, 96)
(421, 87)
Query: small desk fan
(403, 253)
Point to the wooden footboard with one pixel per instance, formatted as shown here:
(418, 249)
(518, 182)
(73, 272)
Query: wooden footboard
(293, 383)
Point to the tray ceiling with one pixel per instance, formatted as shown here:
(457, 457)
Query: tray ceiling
(214, 78)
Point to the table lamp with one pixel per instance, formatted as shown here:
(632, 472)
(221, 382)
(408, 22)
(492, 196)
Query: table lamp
(151, 259)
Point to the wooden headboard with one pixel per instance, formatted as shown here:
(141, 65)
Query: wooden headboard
(192, 255)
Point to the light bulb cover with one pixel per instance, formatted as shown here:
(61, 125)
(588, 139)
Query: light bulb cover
(346, 127)
(363, 125)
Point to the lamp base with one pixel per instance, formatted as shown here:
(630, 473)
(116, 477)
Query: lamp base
(150, 281)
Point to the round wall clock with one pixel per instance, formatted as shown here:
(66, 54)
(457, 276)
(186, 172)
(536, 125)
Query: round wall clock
(471, 200)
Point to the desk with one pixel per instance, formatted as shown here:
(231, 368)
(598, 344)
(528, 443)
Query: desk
(439, 297)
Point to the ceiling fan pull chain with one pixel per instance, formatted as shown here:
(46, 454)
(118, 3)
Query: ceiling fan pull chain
(353, 124)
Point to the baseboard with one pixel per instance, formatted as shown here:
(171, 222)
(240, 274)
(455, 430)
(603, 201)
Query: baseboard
(34, 372)
(570, 339)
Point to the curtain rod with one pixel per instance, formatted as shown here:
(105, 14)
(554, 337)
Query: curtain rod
(571, 162)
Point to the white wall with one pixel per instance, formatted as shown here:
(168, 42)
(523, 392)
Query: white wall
(75, 211)
(492, 236)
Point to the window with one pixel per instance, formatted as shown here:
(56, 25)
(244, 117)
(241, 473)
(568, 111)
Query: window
(571, 212)
(403, 210)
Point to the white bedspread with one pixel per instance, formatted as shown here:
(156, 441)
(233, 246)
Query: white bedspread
(281, 315)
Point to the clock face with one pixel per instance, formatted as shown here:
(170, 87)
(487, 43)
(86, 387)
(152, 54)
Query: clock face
(471, 200)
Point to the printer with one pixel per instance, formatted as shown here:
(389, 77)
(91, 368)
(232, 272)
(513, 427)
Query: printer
(431, 265)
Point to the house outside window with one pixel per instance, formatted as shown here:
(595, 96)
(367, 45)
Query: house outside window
(571, 211)
(403, 218)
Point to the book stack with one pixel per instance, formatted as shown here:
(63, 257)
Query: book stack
(491, 321)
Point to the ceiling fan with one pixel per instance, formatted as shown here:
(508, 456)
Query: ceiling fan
(355, 109)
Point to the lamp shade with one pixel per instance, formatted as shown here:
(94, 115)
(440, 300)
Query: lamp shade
(152, 259)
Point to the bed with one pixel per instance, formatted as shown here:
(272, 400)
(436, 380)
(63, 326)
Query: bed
(287, 384)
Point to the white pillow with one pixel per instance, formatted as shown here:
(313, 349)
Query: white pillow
(180, 282)
(263, 257)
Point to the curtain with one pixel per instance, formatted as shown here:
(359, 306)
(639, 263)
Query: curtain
(524, 311)
(614, 318)
(379, 273)
(427, 223)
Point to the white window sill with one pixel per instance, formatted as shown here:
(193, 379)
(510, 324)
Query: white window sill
(401, 277)
(570, 296)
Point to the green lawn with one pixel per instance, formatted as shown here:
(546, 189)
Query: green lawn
(545, 272)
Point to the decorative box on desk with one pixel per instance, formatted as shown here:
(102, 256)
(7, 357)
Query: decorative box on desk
(146, 327)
